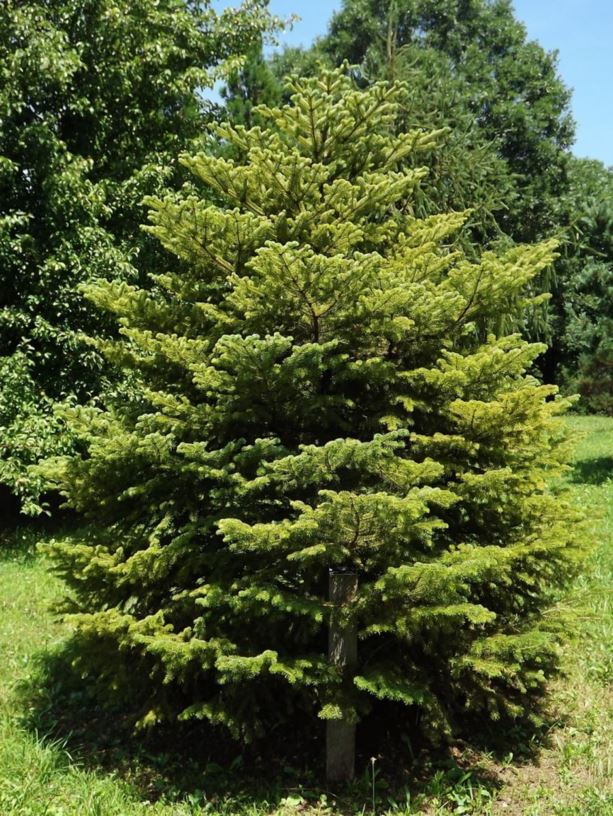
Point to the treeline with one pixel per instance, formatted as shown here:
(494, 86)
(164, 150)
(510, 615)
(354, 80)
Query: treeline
(99, 97)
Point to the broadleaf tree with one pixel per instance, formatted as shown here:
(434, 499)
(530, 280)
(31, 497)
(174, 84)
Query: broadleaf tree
(96, 98)
(321, 386)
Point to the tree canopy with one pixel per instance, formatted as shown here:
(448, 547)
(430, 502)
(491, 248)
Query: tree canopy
(510, 85)
(96, 98)
(472, 70)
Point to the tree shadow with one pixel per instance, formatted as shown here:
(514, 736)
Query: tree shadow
(20, 535)
(188, 760)
(19, 539)
(196, 762)
(593, 471)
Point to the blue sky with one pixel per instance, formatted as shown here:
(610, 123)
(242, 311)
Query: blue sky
(581, 30)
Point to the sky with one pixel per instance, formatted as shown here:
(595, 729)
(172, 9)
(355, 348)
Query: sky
(580, 30)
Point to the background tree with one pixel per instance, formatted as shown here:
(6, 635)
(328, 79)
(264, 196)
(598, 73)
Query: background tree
(318, 388)
(472, 69)
(250, 85)
(583, 292)
(510, 85)
(464, 170)
(29, 432)
(96, 96)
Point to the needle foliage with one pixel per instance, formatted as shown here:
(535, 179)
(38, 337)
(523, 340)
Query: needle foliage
(319, 385)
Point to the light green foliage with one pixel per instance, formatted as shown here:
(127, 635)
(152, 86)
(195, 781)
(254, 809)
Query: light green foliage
(96, 98)
(570, 775)
(321, 385)
(471, 68)
(464, 169)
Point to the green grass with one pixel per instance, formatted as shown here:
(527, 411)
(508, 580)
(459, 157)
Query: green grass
(564, 771)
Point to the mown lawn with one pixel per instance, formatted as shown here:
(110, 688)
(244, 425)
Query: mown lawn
(567, 770)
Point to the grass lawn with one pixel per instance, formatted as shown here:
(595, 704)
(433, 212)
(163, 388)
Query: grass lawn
(565, 771)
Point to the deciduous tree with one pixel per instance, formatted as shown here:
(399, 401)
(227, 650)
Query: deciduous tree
(96, 96)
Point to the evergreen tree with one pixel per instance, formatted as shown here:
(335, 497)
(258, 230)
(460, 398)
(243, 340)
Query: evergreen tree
(511, 85)
(465, 169)
(471, 68)
(321, 387)
(250, 85)
(583, 293)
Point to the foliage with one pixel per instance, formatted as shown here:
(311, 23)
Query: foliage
(583, 296)
(510, 85)
(29, 431)
(250, 85)
(95, 97)
(87, 767)
(320, 386)
(471, 68)
(464, 169)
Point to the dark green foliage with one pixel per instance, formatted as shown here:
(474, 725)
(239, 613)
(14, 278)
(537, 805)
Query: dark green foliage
(583, 294)
(251, 85)
(96, 97)
(317, 388)
(510, 85)
(29, 430)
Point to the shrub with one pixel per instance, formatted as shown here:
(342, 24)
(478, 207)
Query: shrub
(321, 387)
(29, 432)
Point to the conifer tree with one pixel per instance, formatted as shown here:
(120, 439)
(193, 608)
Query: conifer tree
(320, 387)
(249, 86)
(471, 66)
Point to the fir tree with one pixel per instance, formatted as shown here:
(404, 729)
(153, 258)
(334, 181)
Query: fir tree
(251, 85)
(471, 66)
(320, 387)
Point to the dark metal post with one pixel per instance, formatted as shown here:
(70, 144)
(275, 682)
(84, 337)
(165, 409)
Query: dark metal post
(342, 653)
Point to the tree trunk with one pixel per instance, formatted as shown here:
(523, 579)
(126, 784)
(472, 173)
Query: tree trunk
(342, 653)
